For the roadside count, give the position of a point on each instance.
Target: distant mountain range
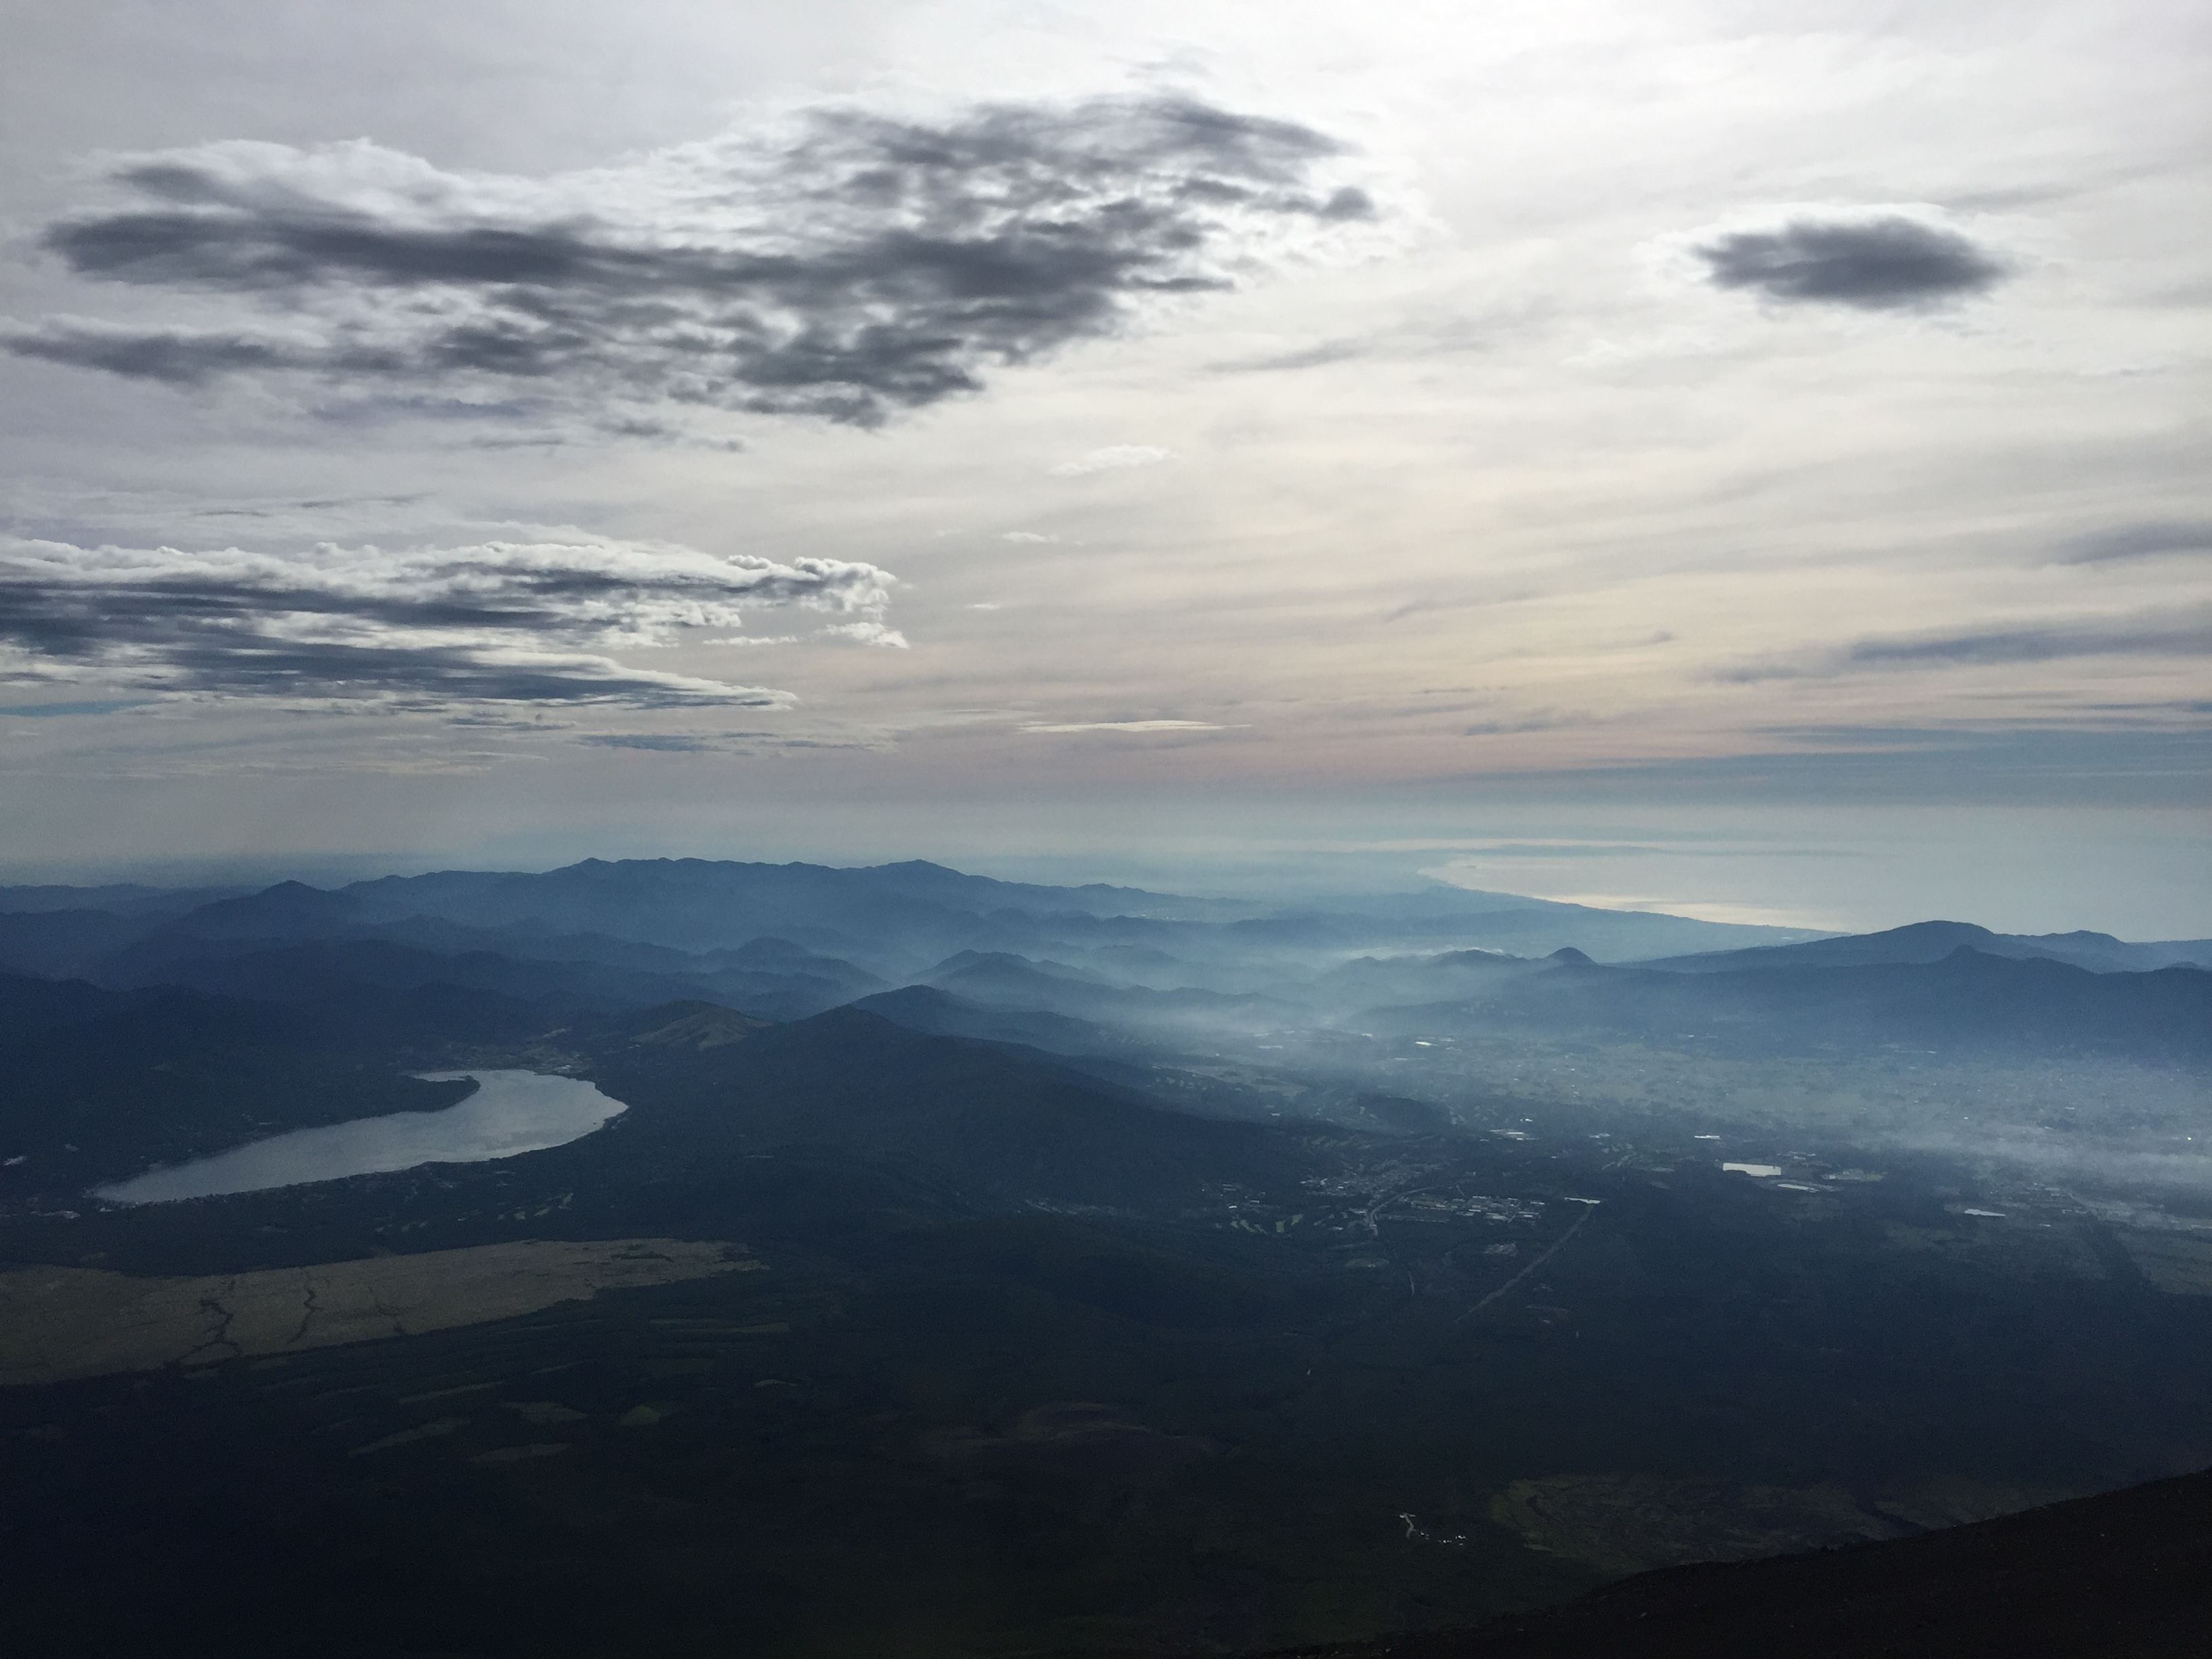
(894, 920)
(141, 1030)
(1932, 941)
(783, 941)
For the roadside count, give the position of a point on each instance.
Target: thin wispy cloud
(2142, 541)
(2154, 633)
(70, 710)
(1113, 456)
(666, 743)
(1319, 356)
(845, 267)
(721, 743)
(1546, 719)
(1880, 261)
(2158, 633)
(866, 633)
(423, 626)
(1127, 726)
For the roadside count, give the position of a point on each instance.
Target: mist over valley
(1510, 1245)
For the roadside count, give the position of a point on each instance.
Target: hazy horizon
(1779, 873)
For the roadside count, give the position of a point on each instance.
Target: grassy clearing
(60, 1322)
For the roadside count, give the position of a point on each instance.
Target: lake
(510, 1112)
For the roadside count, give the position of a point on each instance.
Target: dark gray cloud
(173, 356)
(1889, 262)
(849, 267)
(2158, 634)
(2161, 632)
(52, 710)
(2142, 541)
(1546, 720)
(668, 743)
(425, 628)
(2029, 766)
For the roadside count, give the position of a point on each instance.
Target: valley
(1039, 1320)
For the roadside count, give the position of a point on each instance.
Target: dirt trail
(1590, 1209)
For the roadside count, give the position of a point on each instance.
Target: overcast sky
(1748, 459)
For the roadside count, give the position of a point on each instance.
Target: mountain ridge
(1930, 941)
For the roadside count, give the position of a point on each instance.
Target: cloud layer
(2168, 631)
(424, 627)
(1885, 262)
(846, 267)
(1124, 726)
(2142, 541)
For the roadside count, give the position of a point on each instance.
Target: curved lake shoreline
(509, 1113)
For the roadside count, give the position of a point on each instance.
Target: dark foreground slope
(2127, 1573)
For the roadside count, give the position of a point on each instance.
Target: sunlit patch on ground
(1627, 1523)
(58, 1323)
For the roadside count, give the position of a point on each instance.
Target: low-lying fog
(510, 1112)
(2105, 1123)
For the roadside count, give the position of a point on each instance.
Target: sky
(1742, 459)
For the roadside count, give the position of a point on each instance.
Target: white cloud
(1114, 455)
(1129, 726)
(867, 633)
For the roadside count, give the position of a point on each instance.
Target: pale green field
(57, 1322)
